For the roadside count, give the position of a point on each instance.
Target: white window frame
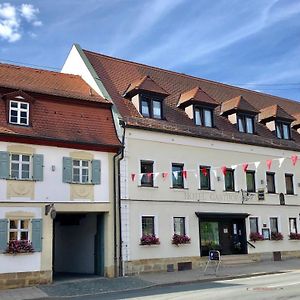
(20, 163)
(18, 109)
(186, 223)
(18, 229)
(278, 224)
(155, 224)
(297, 228)
(81, 167)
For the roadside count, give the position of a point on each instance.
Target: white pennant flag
(233, 166)
(281, 160)
(257, 163)
(175, 173)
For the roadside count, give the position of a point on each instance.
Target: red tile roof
(61, 109)
(117, 74)
(237, 104)
(274, 112)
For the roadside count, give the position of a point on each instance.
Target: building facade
(206, 165)
(56, 183)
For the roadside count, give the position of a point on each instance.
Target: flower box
(276, 236)
(149, 240)
(18, 247)
(294, 236)
(180, 239)
(255, 236)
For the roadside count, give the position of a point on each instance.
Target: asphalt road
(275, 287)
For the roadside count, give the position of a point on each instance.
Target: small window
(250, 178)
(19, 229)
(245, 123)
(177, 176)
(274, 225)
(147, 171)
(229, 180)
(151, 107)
(283, 130)
(81, 171)
(203, 116)
(271, 183)
(289, 184)
(179, 225)
(19, 113)
(293, 225)
(253, 224)
(148, 226)
(20, 166)
(204, 178)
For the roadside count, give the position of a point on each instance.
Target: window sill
(148, 186)
(18, 179)
(178, 188)
(205, 190)
(80, 183)
(290, 194)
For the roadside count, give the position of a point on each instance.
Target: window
(177, 176)
(283, 130)
(19, 113)
(271, 182)
(253, 224)
(203, 116)
(147, 171)
(81, 170)
(20, 166)
(179, 225)
(148, 226)
(151, 108)
(245, 123)
(204, 178)
(289, 184)
(229, 180)
(19, 229)
(293, 225)
(250, 179)
(274, 225)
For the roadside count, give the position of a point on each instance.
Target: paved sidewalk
(92, 286)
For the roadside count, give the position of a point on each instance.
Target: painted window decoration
(271, 182)
(205, 178)
(203, 116)
(179, 236)
(294, 235)
(147, 171)
(148, 231)
(283, 130)
(177, 176)
(245, 123)
(229, 180)
(209, 232)
(275, 234)
(250, 179)
(20, 166)
(19, 113)
(81, 170)
(289, 184)
(151, 107)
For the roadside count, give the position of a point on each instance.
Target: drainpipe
(117, 203)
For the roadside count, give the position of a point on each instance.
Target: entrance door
(225, 232)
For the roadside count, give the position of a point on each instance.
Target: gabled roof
(146, 84)
(274, 112)
(237, 104)
(18, 94)
(196, 96)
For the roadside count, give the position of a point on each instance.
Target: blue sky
(251, 43)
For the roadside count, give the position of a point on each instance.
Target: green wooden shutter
(38, 166)
(4, 165)
(96, 171)
(67, 169)
(3, 234)
(36, 234)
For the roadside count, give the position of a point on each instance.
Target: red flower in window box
(16, 246)
(180, 239)
(276, 236)
(294, 236)
(149, 240)
(255, 236)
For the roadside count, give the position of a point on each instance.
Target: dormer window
(203, 116)
(283, 130)
(18, 112)
(245, 123)
(151, 107)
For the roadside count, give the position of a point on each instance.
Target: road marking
(283, 285)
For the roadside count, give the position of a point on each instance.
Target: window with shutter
(36, 234)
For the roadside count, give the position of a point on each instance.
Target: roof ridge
(189, 76)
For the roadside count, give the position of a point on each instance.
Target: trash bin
(277, 256)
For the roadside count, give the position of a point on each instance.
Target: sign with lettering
(214, 255)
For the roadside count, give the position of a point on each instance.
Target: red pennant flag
(184, 174)
(165, 175)
(294, 159)
(269, 164)
(132, 176)
(204, 171)
(245, 167)
(224, 170)
(149, 175)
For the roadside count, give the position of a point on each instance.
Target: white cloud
(11, 18)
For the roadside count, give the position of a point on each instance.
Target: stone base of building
(24, 279)
(135, 267)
